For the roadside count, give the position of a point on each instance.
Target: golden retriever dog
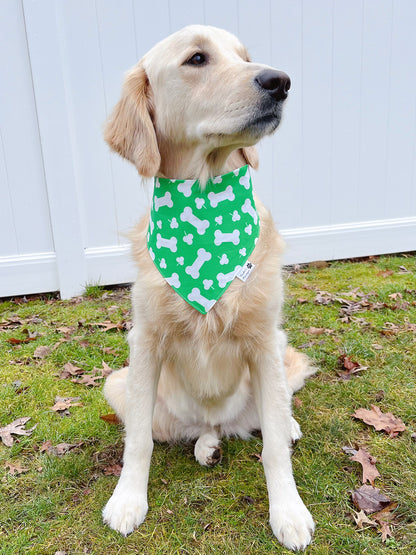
(192, 108)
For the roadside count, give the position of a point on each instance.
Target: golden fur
(192, 375)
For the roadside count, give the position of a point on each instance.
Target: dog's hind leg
(207, 448)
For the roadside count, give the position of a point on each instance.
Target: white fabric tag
(245, 271)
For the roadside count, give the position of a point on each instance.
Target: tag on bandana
(200, 240)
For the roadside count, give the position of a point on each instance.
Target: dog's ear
(130, 130)
(251, 156)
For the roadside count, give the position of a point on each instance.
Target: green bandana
(199, 239)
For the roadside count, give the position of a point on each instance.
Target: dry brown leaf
(385, 531)
(16, 341)
(385, 273)
(368, 462)
(369, 499)
(70, 370)
(16, 428)
(88, 380)
(110, 418)
(361, 518)
(317, 331)
(107, 325)
(113, 470)
(59, 449)
(15, 469)
(41, 352)
(386, 422)
(64, 403)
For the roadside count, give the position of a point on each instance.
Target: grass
(56, 504)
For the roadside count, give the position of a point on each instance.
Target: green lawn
(55, 504)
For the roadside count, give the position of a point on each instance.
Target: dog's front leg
(290, 520)
(127, 507)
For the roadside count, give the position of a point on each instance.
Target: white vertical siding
(339, 175)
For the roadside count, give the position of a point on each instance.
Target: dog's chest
(208, 373)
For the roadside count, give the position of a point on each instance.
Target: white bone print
(216, 198)
(200, 225)
(223, 279)
(245, 180)
(173, 280)
(203, 256)
(195, 295)
(186, 187)
(166, 200)
(208, 283)
(248, 209)
(233, 237)
(170, 244)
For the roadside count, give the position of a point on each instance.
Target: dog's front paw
(292, 524)
(295, 431)
(125, 510)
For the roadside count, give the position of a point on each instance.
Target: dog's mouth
(260, 123)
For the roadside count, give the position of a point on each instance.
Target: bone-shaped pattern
(173, 280)
(170, 244)
(200, 225)
(221, 237)
(248, 209)
(203, 256)
(223, 279)
(166, 200)
(195, 295)
(186, 187)
(245, 180)
(216, 198)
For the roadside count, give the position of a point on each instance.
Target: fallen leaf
(88, 380)
(386, 422)
(41, 352)
(113, 470)
(385, 273)
(70, 370)
(317, 331)
(297, 402)
(377, 347)
(64, 403)
(396, 296)
(59, 449)
(105, 370)
(361, 518)
(16, 428)
(16, 341)
(107, 325)
(369, 499)
(368, 463)
(15, 469)
(110, 418)
(66, 330)
(349, 366)
(385, 531)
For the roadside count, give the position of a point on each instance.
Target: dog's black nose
(276, 83)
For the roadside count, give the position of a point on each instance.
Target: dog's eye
(197, 59)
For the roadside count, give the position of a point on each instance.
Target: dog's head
(196, 88)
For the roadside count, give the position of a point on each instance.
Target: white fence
(339, 176)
